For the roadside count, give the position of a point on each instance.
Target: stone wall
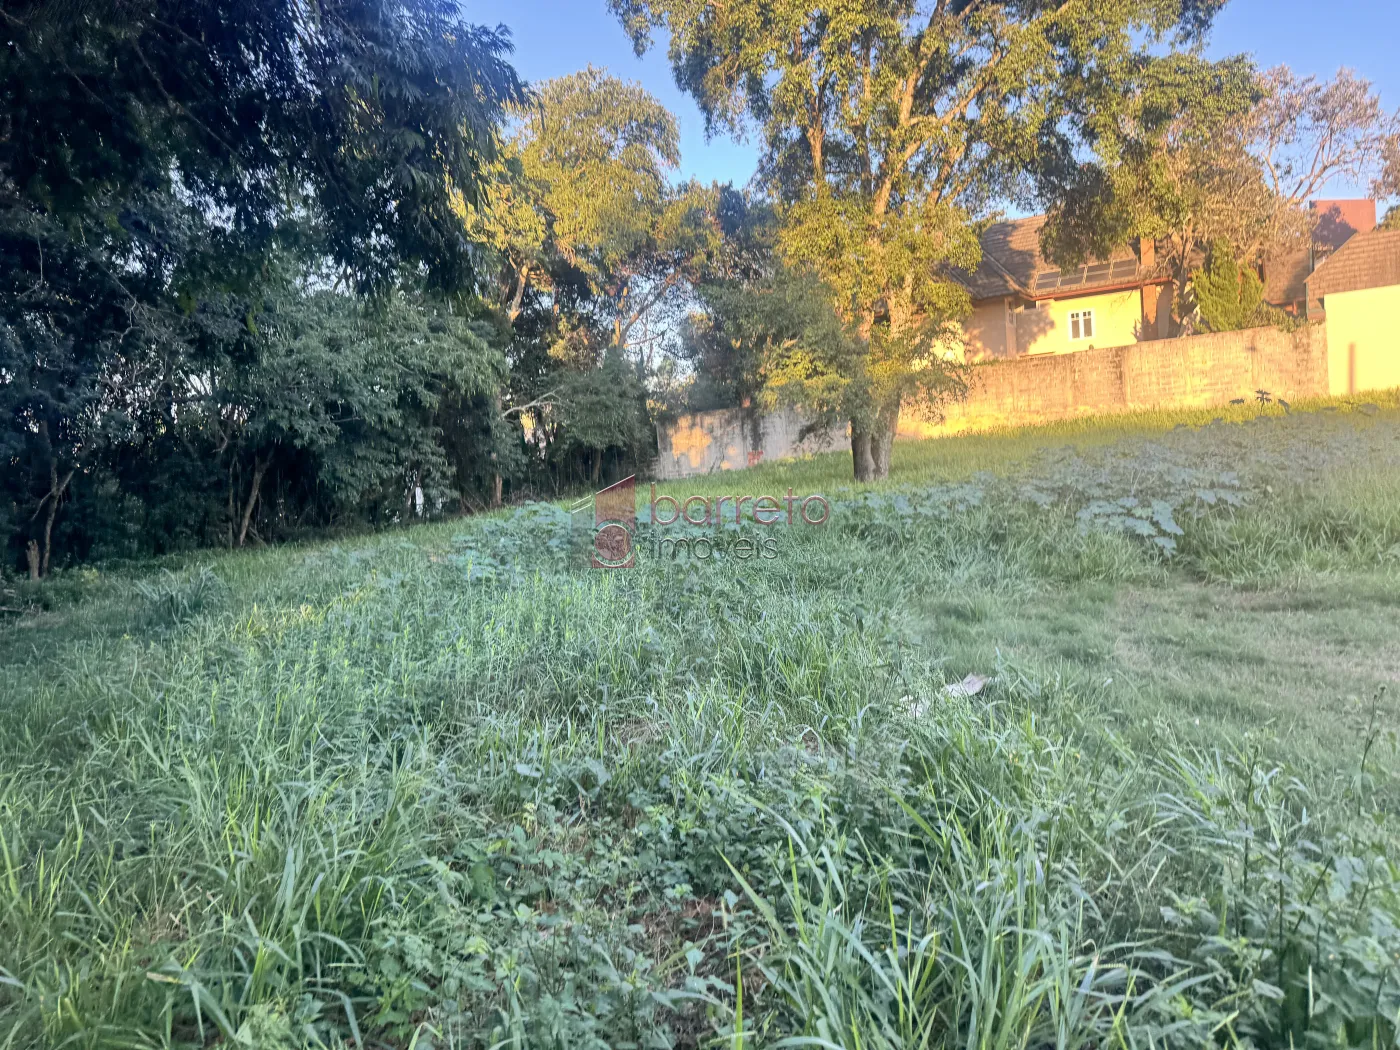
(1195, 372)
(737, 437)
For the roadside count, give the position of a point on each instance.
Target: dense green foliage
(888, 127)
(1228, 295)
(594, 252)
(190, 197)
(450, 787)
(268, 268)
(237, 116)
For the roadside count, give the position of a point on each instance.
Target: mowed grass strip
(450, 787)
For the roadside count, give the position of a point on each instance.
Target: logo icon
(614, 525)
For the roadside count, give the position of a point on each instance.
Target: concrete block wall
(1194, 372)
(738, 437)
(1199, 371)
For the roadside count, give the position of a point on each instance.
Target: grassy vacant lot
(448, 787)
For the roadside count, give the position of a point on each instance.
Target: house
(1356, 291)
(1349, 278)
(1286, 273)
(1022, 304)
(1349, 274)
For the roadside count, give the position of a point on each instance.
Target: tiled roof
(1335, 223)
(1367, 260)
(1012, 263)
(1285, 277)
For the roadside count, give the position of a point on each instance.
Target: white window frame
(1077, 319)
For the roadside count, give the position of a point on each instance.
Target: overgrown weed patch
(450, 787)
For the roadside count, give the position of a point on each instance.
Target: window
(1081, 325)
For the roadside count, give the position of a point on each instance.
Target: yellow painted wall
(1363, 340)
(1117, 320)
(985, 331)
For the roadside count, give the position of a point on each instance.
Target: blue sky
(553, 37)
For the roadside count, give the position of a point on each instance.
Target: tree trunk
(861, 457)
(259, 469)
(55, 495)
(495, 457)
(522, 282)
(232, 463)
(883, 442)
(872, 445)
(39, 557)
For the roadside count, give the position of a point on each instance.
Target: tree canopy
(177, 181)
(595, 251)
(1219, 153)
(889, 127)
(366, 115)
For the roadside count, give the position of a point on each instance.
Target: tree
(1388, 185)
(155, 158)
(370, 115)
(1228, 296)
(1307, 133)
(595, 252)
(1216, 152)
(888, 125)
(583, 192)
(336, 407)
(766, 333)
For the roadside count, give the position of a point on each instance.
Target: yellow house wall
(1117, 318)
(1363, 340)
(985, 330)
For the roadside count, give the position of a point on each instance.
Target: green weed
(450, 787)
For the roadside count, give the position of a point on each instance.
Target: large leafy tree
(364, 113)
(1221, 154)
(596, 249)
(335, 408)
(156, 155)
(889, 125)
(583, 196)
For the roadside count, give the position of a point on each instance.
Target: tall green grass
(451, 788)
